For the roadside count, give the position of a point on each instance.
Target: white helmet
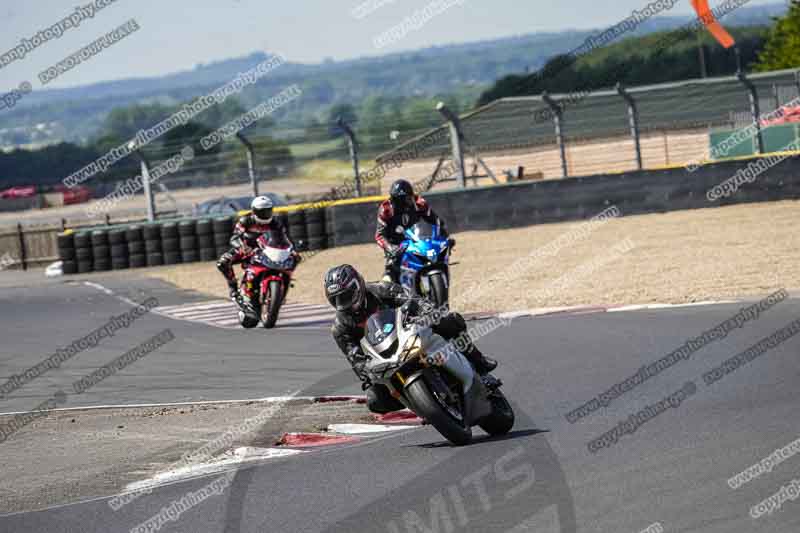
(262, 209)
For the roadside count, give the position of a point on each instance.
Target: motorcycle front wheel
(271, 307)
(438, 289)
(501, 420)
(435, 410)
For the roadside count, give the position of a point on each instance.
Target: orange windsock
(716, 29)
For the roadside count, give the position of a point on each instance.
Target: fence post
(755, 108)
(776, 95)
(251, 161)
(633, 117)
(22, 252)
(797, 82)
(352, 144)
(148, 192)
(557, 121)
(456, 139)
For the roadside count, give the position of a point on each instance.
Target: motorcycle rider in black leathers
(355, 301)
(403, 209)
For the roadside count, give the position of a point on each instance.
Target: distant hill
(76, 114)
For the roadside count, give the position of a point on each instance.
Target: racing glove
(396, 251)
(358, 361)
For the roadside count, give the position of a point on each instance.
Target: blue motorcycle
(424, 267)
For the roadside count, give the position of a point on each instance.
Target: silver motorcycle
(429, 376)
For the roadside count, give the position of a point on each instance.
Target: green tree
(125, 122)
(782, 49)
(220, 114)
(346, 112)
(188, 134)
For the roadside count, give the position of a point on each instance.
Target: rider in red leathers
(245, 235)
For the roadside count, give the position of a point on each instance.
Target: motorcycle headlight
(412, 349)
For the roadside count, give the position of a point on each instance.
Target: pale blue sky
(177, 34)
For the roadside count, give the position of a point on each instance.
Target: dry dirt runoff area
(678, 257)
(82, 454)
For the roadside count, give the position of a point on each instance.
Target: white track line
(118, 297)
(224, 314)
(362, 429)
(230, 459)
(645, 307)
(273, 399)
(199, 305)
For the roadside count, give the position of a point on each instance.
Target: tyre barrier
(297, 226)
(119, 249)
(316, 230)
(83, 253)
(187, 241)
(137, 253)
(175, 242)
(66, 252)
(101, 250)
(143, 245)
(222, 229)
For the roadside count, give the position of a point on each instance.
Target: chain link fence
(673, 124)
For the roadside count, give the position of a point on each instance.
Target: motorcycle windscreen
(278, 255)
(422, 231)
(264, 260)
(381, 332)
(273, 239)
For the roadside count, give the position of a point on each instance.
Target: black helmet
(345, 288)
(402, 195)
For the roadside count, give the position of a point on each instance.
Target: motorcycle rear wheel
(428, 407)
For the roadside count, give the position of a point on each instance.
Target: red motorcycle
(268, 275)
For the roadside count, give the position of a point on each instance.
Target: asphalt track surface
(542, 477)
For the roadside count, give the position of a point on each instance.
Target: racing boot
(233, 290)
(483, 365)
(248, 317)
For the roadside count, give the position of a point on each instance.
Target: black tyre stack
(170, 243)
(137, 253)
(152, 245)
(205, 240)
(187, 231)
(316, 230)
(297, 227)
(119, 249)
(83, 252)
(223, 229)
(101, 250)
(66, 252)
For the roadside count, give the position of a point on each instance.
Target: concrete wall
(21, 204)
(530, 203)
